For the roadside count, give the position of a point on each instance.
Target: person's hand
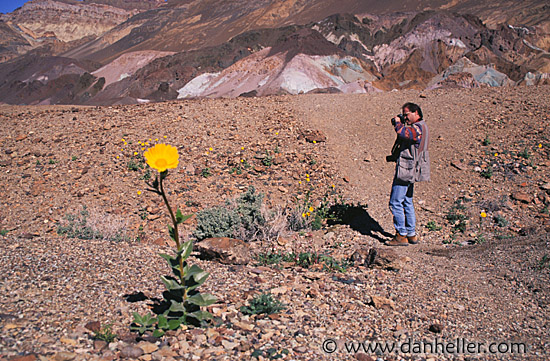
(395, 120)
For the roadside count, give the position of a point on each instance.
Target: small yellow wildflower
(242, 160)
(483, 214)
(165, 137)
(304, 215)
(307, 179)
(299, 182)
(314, 142)
(540, 145)
(311, 209)
(308, 214)
(123, 140)
(496, 154)
(333, 186)
(135, 153)
(242, 148)
(156, 139)
(210, 149)
(142, 148)
(139, 193)
(162, 157)
(277, 133)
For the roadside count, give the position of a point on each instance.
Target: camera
(395, 150)
(401, 118)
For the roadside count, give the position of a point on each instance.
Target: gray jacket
(413, 164)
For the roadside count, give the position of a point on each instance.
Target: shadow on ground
(357, 217)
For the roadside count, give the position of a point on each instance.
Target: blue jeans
(402, 208)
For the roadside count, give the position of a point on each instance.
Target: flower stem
(174, 221)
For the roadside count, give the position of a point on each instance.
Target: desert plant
(487, 173)
(241, 218)
(105, 333)
(182, 300)
(93, 224)
(263, 303)
(432, 226)
(486, 141)
(205, 172)
(500, 221)
(524, 153)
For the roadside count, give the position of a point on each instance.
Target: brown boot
(413, 239)
(398, 240)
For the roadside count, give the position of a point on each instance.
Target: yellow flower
(210, 149)
(277, 133)
(314, 142)
(496, 154)
(299, 182)
(311, 209)
(242, 148)
(333, 186)
(117, 157)
(165, 137)
(304, 215)
(162, 157)
(156, 139)
(123, 140)
(483, 214)
(540, 145)
(139, 193)
(308, 214)
(307, 179)
(135, 153)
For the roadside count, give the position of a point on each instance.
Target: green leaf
(202, 299)
(176, 307)
(200, 315)
(187, 249)
(172, 232)
(158, 333)
(174, 324)
(162, 322)
(180, 218)
(171, 284)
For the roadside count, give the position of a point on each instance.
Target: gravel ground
(486, 284)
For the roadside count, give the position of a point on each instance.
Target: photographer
(410, 152)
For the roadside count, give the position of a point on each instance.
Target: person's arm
(412, 133)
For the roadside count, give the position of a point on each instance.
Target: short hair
(413, 108)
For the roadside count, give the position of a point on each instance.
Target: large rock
(225, 250)
(382, 258)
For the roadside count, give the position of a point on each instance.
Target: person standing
(412, 165)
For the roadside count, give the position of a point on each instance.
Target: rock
(147, 347)
(436, 328)
(29, 357)
(382, 258)
(363, 357)
(458, 165)
(522, 197)
(131, 352)
(64, 356)
(300, 349)
(93, 326)
(225, 250)
(381, 303)
(100, 345)
(314, 136)
(68, 341)
(546, 186)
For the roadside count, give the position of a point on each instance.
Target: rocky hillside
(480, 272)
(205, 48)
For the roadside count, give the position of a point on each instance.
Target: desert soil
(484, 280)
